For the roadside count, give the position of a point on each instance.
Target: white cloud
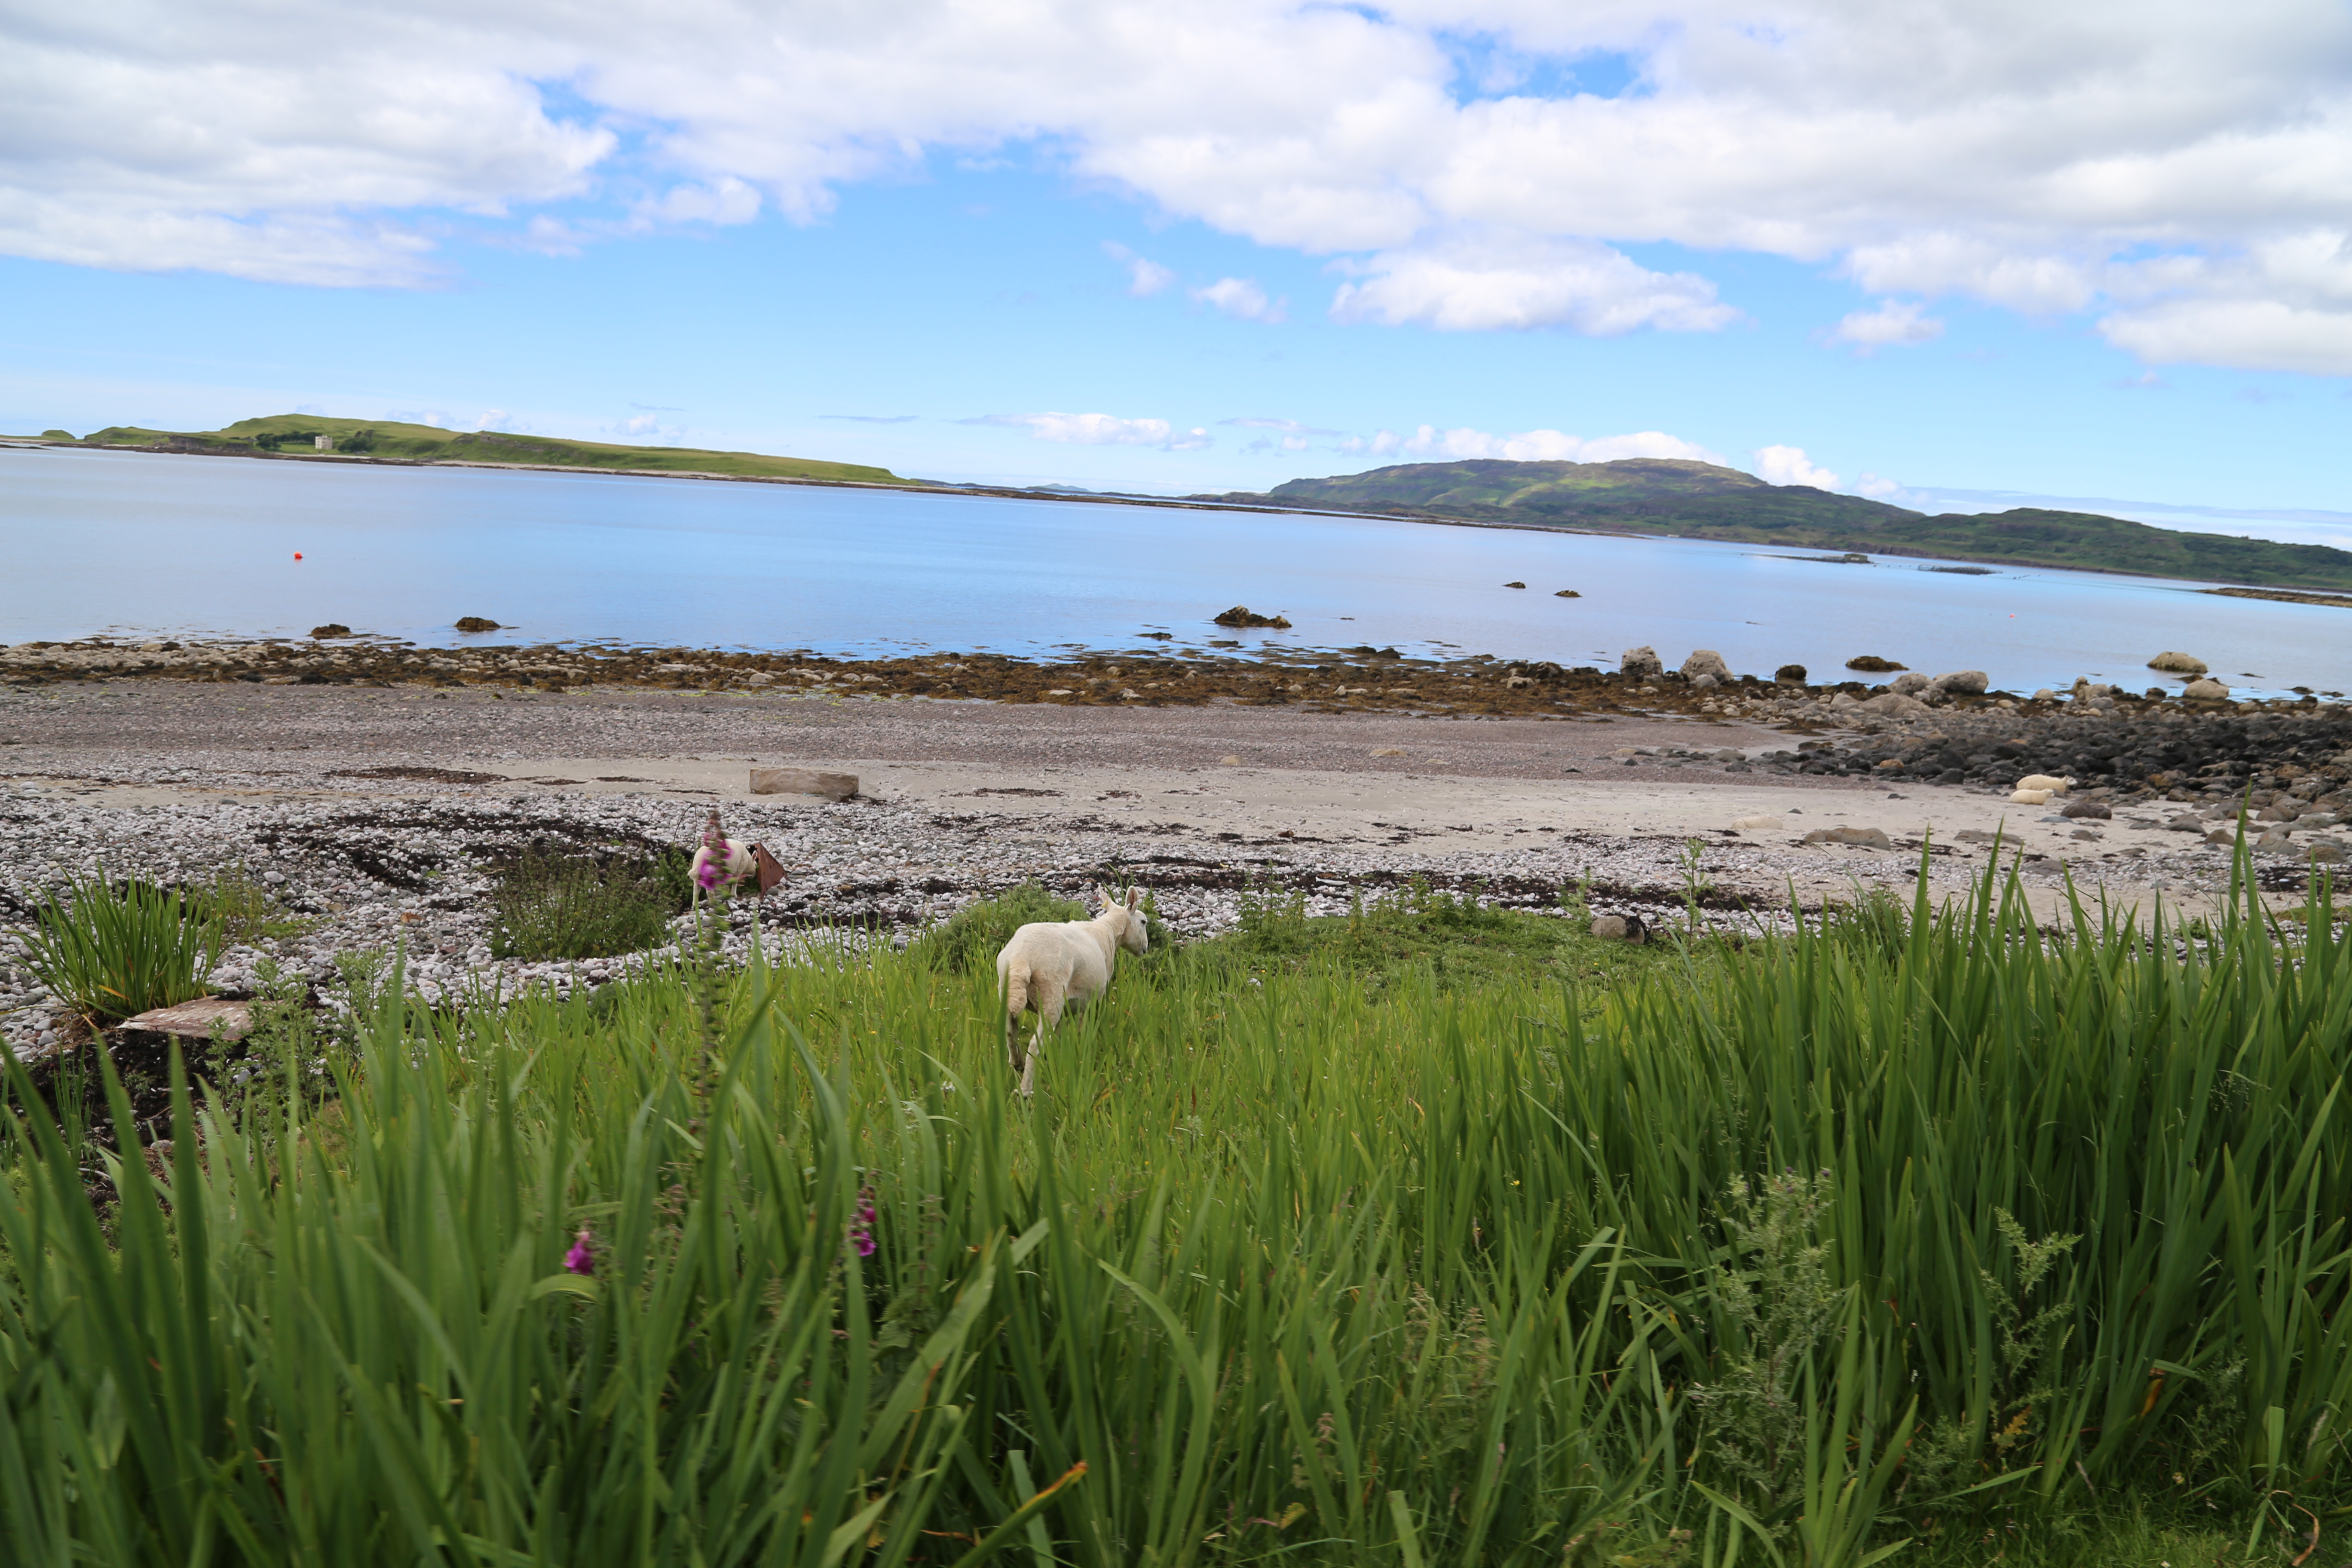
(1243, 299)
(1145, 277)
(1896, 323)
(1789, 466)
(2181, 170)
(1485, 283)
(1878, 488)
(1101, 430)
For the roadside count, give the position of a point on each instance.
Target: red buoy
(298, 556)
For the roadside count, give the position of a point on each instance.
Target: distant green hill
(430, 443)
(1700, 500)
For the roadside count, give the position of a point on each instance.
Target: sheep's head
(1134, 933)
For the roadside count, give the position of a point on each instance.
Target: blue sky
(1169, 282)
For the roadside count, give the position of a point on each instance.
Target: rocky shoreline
(375, 812)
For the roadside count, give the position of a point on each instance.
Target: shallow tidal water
(122, 542)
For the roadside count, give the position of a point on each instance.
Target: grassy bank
(1932, 1235)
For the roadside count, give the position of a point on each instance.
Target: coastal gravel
(374, 815)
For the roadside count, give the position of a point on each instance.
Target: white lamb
(1051, 965)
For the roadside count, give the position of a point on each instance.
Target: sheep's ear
(1135, 898)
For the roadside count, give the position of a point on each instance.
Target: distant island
(1686, 499)
(391, 440)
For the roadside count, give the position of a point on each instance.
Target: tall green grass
(1800, 1257)
(113, 951)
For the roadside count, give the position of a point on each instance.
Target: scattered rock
(2084, 833)
(332, 629)
(1909, 684)
(196, 1020)
(2327, 853)
(1731, 754)
(1977, 835)
(1892, 703)
(2044, 694)
(2187, 822)
(2179, 663)
(477, 624)
(803, 780)
(1861, 838)
(2205, 690)
(1754, 823)
(1707, 682)
(1568, 593)
(1642, 661)
(1870, 664)
(2089, 810)
(1242, 615)
(1790, 675)
(1705, 662)
(1621, 928)
(1964, 682)
(2222, 835)
(1388, 751)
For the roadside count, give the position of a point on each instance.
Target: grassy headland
(1699, 500)
(391, 440)
(1929, 1232)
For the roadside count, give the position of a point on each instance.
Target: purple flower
(861, 1229)
(582, 1259)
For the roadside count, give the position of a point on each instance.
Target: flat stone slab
(803, 780)
(196, 1020)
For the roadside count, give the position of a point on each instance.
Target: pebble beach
(372, 807)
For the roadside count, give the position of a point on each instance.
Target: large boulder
(1642, 661)
(2206, 690)
(1964, 682)
(1790, 675)
(1893, 704)
(2178, 663)
(1910, 683)
(803, 780)
(1705, 662)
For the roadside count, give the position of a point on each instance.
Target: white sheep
(1051, 965)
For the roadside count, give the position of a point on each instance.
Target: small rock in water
(477, 624)
(1870, 664)
(332, 629)
(2178, 663)
(1514, 585)
(1790, 675)
(1568, 593)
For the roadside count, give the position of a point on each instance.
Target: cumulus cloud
(1101, 430)
(1485, 283)
(1789, 466)
(1145, 277)
(1243, 299)
(2179, 172)
(1896, 323)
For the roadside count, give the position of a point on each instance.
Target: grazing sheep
(1051, 965)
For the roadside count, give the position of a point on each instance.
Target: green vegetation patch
(429, 443)
(1702, 501)
(1928, 1235)
(558, 905)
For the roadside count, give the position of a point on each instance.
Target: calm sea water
(94, 542)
